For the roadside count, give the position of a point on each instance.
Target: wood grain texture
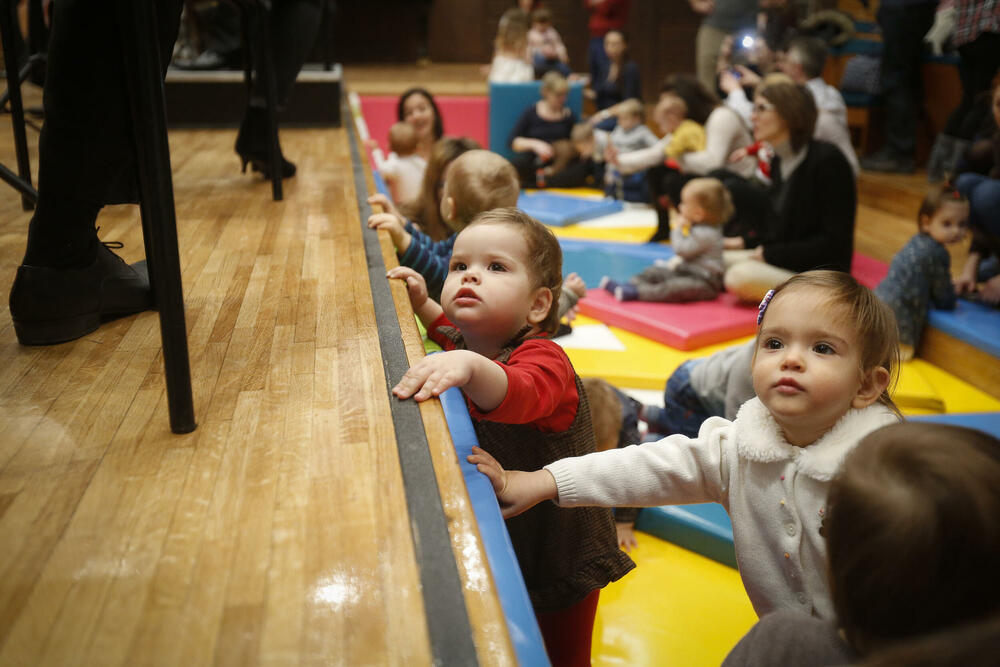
(277, 532)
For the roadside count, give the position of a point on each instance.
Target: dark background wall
(660, 32)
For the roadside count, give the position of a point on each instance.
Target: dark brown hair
(605, 412)
(438, 123)
(796, 106)
(700, 100)
(543, 254)
(873, 322)
(935, 197)
(479, 181)
(912, 532)
(426, 210)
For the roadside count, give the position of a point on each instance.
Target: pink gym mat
(685, 326)
(463, 116)
(688, 326)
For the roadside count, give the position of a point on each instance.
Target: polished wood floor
(278, 531)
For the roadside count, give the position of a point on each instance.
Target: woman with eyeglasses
(804, 219)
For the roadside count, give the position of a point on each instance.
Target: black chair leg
(159, 224)
(22, 180)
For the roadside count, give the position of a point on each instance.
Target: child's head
(670, 112)
(912, 533)
(943, 214)
(629, 113)
(402, 138)
(512, 32)
(825, 344)
(427, 209)
(582, 137)
(505, 274)
(541, 19)
(605, 412)
(474, 182)
(706, 201)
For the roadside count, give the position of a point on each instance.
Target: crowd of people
(753, 180)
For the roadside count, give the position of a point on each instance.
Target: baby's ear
(872, 385)
(448, 209)
(541, 304)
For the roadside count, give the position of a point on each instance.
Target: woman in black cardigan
(805, 219)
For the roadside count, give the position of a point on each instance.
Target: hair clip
(763, 305)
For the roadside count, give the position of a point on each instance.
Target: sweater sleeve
(723, 131)
(428, 261)
(942, 289)
(828, 186)
(699, 239)
(521, 126)
(643, 158)
(673, 471)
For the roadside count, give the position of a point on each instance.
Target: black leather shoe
(51, 306)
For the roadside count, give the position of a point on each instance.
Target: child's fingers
(401, 272)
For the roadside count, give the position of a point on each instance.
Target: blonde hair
(631, 106)
(426, 211)
(713, 197)
(512, 32)
(873, 322)
(554, 82)
(605, 412)
(402, 138)
(478, 181)
(581, 132)
(543, 251)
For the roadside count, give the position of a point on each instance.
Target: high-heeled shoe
(251, 145)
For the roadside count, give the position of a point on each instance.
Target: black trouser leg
(86, 156)
(979, 64)
(903, 31)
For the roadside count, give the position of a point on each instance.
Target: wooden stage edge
(975, 366)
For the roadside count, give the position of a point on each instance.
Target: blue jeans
(682, 410)
(983, 194)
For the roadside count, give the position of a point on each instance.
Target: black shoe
(51, 306)
(251, 144)
(888, 161)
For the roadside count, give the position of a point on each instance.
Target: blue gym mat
(988, 422)
(521, 623)
(595, 259)
(975, 323)
(561, 210)
(704, 529)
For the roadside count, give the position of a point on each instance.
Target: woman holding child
(417, 107)
(805, 219)
(542, 131)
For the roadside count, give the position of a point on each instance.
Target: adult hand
(942, 30)
(738, 154)
(748, 77)
(416, 286)
(516, 490)
(611, 155)
(542, 149)
(990, 292)
(728, 82)
(733, 243)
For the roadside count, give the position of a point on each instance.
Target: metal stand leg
(22, 180)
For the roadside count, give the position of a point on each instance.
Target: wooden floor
(278, 531)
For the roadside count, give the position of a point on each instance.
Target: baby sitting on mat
(695, 271)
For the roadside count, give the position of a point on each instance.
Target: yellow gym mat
(675, 608)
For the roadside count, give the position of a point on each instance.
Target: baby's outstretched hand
(436, 373)
(416, 286)
(380, 199)
(516, 490)
(575, 284)
(392, 224)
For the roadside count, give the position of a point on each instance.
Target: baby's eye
(772, 344)
(823, 348)
(497, 266)
(457, 266)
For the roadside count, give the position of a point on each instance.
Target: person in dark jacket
(805, 219)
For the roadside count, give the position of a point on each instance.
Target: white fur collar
(759, 438)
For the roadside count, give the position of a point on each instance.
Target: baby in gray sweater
(695, 271)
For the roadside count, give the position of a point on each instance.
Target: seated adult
(803, 62)
(983, 193)
(725, 132)
(617, 77)
(805, 218)
(417, 108)
(543, 128)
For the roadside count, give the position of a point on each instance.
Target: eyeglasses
(761, 107)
